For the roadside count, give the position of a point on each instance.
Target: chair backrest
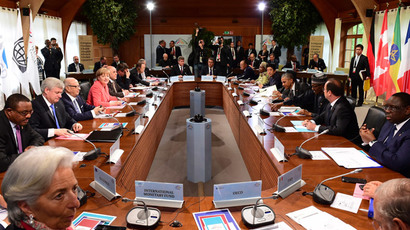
(352, 101)
(375, 118)
(85, 88)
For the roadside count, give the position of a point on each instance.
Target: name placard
(288, 179)
(173, 79)
(105, 180)
(158, 190)
(278, 151)
(188, 78)
(220, 78)
(207, 78)
(234, 191)
(115, 146)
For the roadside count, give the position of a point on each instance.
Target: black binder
(105, 136)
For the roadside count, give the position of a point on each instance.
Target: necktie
(18, 137)
(391, 133)
(77, 107)
(210, 71)
(182, 70)
(294, 66)
(329, 114)
(291, 94)
(55, 116)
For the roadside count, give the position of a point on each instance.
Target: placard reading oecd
(188, 78)
(241, 190)
(160, 194)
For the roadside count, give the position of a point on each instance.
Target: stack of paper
(350, 158)
(313, 218)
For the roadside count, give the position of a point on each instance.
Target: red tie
(182, 69)
(294, 66)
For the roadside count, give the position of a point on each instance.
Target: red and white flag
(382, 81)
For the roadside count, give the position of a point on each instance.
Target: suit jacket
(248, 73)
(289, 65)
(276, 52)
(8, 147)
(274, 80)
(224, 55)
(136, 78)
(71, 67)
(275, 63)
(320, 64)
(175, 71)
(174, 58)
(99, 95)
(302, 96)
(232, 62)
(255, 64)
(84, 107)
(163, 63)
(394, 154)
(123, 82)
(97, 66)
(342, 120)
(205, 71)
(320, 104)
(252, 51)
(53, 58)
(114, 89)
(266, 54)
(160, 53)
(42, 118)
(362, 64)
(115, 64)
(241, 54)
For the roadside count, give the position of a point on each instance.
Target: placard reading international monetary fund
(158, 190)
(241, 190)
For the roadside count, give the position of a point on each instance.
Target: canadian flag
(382, 81)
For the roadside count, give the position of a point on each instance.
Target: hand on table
(370, 188)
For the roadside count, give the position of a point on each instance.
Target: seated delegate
(99, 94)
(41, 190)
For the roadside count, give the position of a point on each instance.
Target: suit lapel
(46, 108)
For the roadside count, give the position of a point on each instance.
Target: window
(354, 37)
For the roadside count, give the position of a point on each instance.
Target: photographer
(53, 57)
(200, 55)
(221, 56)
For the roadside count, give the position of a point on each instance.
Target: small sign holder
(237, 194)
(104, 184)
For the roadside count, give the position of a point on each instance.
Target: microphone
(165, 73)
(92, 154)
(323, 194)
(142, 216)
(263, 214)
(303, 153)
(132, 112)
(229, 74)
(279, 128)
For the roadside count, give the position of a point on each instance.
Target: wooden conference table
(139, 152)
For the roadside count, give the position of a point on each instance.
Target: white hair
(30, 176)
(50, 83)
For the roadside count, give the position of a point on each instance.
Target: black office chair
(85, 88)
(375, 118)
(352, 101)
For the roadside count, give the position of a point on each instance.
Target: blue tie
(391, 133)
(55, 116)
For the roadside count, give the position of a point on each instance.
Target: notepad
(351, 158)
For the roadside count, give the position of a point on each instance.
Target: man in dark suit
(49, 118)
(100, 64)
(293, 93)
(16, 135)
(165, 62)
(76, 66)
(273, 61)
(113, 87)
(138, 75)
(233, 56)
(293, 64)
(339, 117)
(210, 69)
(116, 61)
(248, 72)
(273, 77)
(253, 62)
(75, 105)
(160, 51)
(240, 51)
(250, 51)
(180, 69)
(359, 63)
(392, 147)
(124, 77)
(320, 102)
(221, 57)
(317, 63)
(174, 52)
(53, 57)
(275, 50)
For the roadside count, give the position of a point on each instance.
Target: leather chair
(375, 118)
(352, 101)
(85, 89)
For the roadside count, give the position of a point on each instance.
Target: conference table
(140, 149)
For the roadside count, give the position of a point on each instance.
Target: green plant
(112, 21)
(293, 21)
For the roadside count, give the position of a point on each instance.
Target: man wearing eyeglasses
(75, 106)
(16, 135)
(76, 66)
(393, 145)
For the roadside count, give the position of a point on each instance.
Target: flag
(403, 79)
(395, 56)
(32, 70)
(18, 65)
(370, 51)
(382, 80)
(8, 81)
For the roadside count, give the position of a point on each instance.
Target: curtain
(72, 44)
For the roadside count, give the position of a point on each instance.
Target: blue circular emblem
(394, 54)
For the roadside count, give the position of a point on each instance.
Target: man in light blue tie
(49, 117)
(75, 105)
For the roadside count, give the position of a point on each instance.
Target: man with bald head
(392, 205)
(76, 66)
(74, 104)
(113, 87)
